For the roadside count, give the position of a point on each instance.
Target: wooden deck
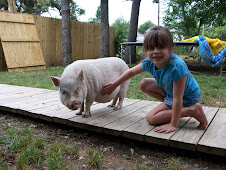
(129, 122)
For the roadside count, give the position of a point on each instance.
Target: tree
(40, 6)
(145, 26)
(96, 20)
(216, 32)
(12, 6)
(133, 31)
(66, 33)
(104, 48)
(121, 33)
(185, 17)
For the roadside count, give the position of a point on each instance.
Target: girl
(173, 84)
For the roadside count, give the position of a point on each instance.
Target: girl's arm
(178, 93)
(110, 87)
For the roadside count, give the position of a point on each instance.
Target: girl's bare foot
(200, 116)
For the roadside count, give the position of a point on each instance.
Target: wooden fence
(85, 39)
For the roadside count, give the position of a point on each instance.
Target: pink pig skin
(82, 82)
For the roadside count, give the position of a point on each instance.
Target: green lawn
(213, 87)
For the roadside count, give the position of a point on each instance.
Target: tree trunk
(200, 24)
(12, 6)
(104, 48)
(66, 33)
(133, 31)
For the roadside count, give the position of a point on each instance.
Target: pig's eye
(77, 91)
(64, 93)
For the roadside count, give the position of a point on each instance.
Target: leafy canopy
(121, 33)
(40, 6)
(186, 17)
(145, 26)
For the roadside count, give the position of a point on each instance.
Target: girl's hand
(108, 88)
(167, 128)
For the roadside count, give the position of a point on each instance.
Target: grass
(30, 151)
(213, 88)
(93, 158)
(22, 148)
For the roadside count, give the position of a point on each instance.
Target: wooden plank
(106, 119)
(214, 139)
(15, 32)
(8, 92)
(138, 130)
(20, 103)
(16, 17)
(22, 94)
(96, 112)
(23, 54)
(3, 66)
(27, 68)
(189, 135)
(137, 112)
(27, 108)
(7, 86)
(58, 115)
(58, 58)
(34, 104)
(50, 112)
(161, 138)
(20, 43)
(20, 40)
(46, 29)
(27, 100)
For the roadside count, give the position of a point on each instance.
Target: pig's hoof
(111, 105)
(79, 113)
(87, 115)
(117, 108)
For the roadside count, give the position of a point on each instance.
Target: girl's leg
(150, 87)
(162, 114)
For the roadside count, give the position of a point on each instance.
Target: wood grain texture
(214, 139)
(188, 136)
(20, 42)
(129, 121)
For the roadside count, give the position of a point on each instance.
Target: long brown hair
(158, 36)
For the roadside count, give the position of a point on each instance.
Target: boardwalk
(128, 122)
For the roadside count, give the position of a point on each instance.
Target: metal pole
(121, 52)
(158, 11)
(130, 55)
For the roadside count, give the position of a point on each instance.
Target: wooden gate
(20, 42)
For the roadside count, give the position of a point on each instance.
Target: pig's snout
(74, 105)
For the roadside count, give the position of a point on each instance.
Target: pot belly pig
(82, 82)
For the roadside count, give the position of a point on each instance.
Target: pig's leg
(121, 99)
(87, 109)
(122, 94)
(114, 101)
(81, 109)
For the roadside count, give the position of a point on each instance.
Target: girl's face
(160, 55)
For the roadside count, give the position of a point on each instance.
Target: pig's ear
(56, 81)
(81, 77)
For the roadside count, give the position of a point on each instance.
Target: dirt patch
(116, 152)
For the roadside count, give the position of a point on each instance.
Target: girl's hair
(158, 36)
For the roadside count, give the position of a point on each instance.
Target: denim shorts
(168, 100)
